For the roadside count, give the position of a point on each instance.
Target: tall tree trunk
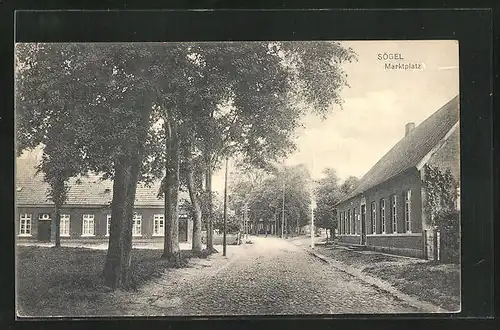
(171, 248)
(58, 225)
(127, 168)
(118, 259)
(196, 242)
(332, 231)
(210, 213)
(276, 223)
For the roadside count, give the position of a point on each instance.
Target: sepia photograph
(237, 178)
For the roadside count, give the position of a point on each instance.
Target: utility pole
(312, 225)
(275, 223)
(283, 212)
(245, 221)
(312, 203)
(225, 211)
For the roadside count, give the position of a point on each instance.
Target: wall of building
(407, 245)
(350, 239)
(354, 205)
(447, 157)
(397, 186)
(100, 222)
(402, 242)
(34, 219)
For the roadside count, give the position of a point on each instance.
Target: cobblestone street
(270, 276)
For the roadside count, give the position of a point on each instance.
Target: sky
(377, 106)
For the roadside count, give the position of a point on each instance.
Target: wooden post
(435, 251)
(425, 254)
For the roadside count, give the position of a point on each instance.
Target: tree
(114, 93)
(103, 93)
(267, 88)
(265, 199)
(61, 158)
(193, 174)
(348, 185)
(60, 162)
(440, 203)
(328, 194)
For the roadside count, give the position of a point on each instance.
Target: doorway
(363, 224)
(183, 230)
(44, 227)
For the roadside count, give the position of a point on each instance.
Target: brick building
(87, 212)
(385, 212)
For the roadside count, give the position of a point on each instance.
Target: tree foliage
(441, 191)
(327, 193)
(101, 93)
(349, 185)
(173, 111)
(265, 197)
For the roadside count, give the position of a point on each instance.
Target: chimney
(408, 128)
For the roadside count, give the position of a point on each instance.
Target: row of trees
(267, 194)
(263, 194)
(171, 112)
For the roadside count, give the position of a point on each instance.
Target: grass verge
(67, 281)
(437, 284)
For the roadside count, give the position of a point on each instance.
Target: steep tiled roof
(32, 190)
(409, 151)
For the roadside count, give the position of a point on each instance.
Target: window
(159, 225)
(354, 229)
(64, 225)
(349, 229)
(44, 216)
(25, 225)
(345, 222)
(394, 215)
(136, 225)
(108, 224)
(88, 225)
(340, 223)
(374, 218)
(382, 215)
(408, 211)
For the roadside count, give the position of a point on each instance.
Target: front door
(363, 224)
(44, 228)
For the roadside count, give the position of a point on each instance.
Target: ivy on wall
(441, 190)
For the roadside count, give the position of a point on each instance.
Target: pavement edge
(380, 284)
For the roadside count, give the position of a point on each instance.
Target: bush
(448, 224)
